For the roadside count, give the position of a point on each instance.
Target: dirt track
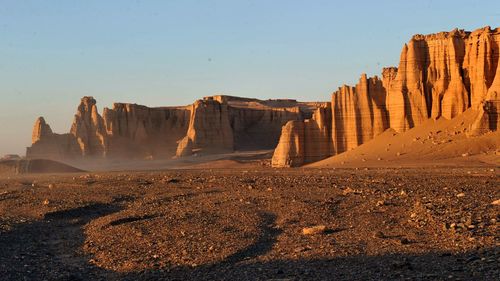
(247, 225)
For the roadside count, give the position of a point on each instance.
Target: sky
(169, 52)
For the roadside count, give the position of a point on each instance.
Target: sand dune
(437, 142)
(35, 166)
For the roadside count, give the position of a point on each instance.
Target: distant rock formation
(211, 125)
(439, 75)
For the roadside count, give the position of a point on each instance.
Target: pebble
(318, 229)
(460, 195)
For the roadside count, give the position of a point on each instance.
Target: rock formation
(439, 75)
(358, 114)
(211, 125)
(305, 141)
(40, 130)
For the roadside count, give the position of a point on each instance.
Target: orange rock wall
(439, 75)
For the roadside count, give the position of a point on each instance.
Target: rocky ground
(376, 224)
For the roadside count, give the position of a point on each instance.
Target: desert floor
(247, 224)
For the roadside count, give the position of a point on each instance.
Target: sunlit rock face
(305, 141)
(215, 124)
(439, 76)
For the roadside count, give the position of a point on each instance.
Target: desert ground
(433, 223)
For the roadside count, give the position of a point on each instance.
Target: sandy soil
(380, 224)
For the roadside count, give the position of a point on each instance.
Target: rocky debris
(208, 225)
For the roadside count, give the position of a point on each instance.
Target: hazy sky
(173, 52)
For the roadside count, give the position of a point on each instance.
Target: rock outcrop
(358, 113)
(40, 130)
(290, 149)
(439, 75)
(88, 129)
(211, 125)
(209, 129)
(142, 132)
(305, 141)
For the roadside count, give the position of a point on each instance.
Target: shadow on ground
(50, 249)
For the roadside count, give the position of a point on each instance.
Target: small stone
(318, 229)
(404, 241)
(465, 154)
(496, 202)
(380, 203)
(51, 186)
(46, 202)
(379, 234)
(460, 195)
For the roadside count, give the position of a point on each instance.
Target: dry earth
(380, 224)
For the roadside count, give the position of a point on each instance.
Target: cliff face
(209, 129)
(212, 125)
(139, 131)
(41, 130)
(88, 129)
(47, 144)
(358, 113)
(443, 74)
(305, 141)
(439, 75)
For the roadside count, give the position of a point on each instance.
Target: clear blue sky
(172, 52)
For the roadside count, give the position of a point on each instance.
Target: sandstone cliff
(211, 125)
(40, 130)
(305, 141)
(439, 75)
(443, 74)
